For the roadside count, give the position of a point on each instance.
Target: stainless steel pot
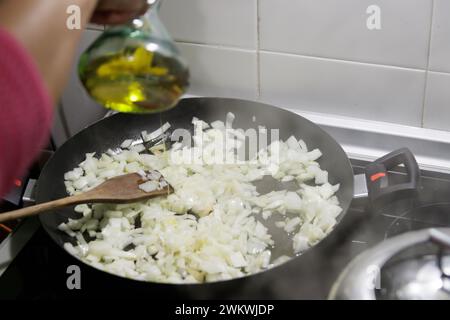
(414, 265)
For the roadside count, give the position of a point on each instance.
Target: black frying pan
(110, 132)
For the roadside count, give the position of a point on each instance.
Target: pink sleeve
(25, 111)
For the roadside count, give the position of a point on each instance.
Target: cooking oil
(134, 80)
(135, 67)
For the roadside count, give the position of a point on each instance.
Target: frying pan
(108, 133)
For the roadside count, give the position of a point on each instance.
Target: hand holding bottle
(112, 12)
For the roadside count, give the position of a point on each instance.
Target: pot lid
(419, 278)
(414, 265)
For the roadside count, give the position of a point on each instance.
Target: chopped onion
(213, 226)
(126, 144)
(149, 186)
(157, 133)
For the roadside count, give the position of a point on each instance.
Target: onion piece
(149, 186)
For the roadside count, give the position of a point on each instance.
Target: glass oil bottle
(135, 68)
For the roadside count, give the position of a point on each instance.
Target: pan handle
(379, 188)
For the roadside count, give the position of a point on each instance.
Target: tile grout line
(258, 57)
(343, 60)
(215, 45)
(258, 51)
(439, 72)
(428, 65)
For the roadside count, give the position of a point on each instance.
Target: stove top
(41, 269)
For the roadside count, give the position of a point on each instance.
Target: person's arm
(36, 53)
(40, 26)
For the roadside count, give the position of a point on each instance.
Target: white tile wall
(225, 22)
(344, 88)
(337, 29)
(314, 55)
(440, 37)
(437, 102)
(222, 72)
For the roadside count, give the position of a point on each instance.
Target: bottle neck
(152, 13)
(155, 4)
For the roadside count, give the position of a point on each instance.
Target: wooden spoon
(121, 189)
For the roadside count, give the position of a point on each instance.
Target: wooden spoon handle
(43, 207)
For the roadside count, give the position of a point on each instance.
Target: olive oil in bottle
(135, 68)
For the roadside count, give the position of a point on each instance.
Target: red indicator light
(377, 176)
(17, 183)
